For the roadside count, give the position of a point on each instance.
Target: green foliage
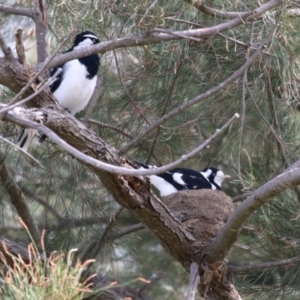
(37, 279)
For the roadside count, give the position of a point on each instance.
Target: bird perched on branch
(185, 179)
(74, 86)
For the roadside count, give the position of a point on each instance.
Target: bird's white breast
(75, 90)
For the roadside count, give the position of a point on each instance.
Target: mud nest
(202, 212)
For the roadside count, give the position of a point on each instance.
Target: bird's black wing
(54, 85)
(92, 64)
(193, 180)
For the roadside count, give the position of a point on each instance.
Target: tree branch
(27, 12)
(5, 49)
(155, 38)
(266, 265)
(228, 235)
(41, 20)
(18, 201)
(58, 117)
(93, 248)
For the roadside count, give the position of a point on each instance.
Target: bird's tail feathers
(26, 138)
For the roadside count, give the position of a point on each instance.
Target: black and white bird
(185, 179)
(74, 86)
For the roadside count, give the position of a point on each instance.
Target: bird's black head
(215, 176)
(84, 39)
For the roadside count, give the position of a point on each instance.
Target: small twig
(239, 198)
(28, 12)
(167, 101)
(266, 265)
(146, 12)
(215, 12)
(125, 89)
(22, 150)
(221, 35)
(6, 50)
(93, 100)
(194, 281)
(92, 249)
(115, 128)
(130, 229)
(20, 47)
(175, 34)
(9, 107)
(18, 201)
(44, 203)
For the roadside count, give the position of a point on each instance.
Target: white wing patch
(177, 178)
(164, 187)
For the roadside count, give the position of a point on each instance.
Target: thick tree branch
(18, 201)
(228, 235)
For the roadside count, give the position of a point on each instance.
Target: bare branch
(20, 47)
(41, 20)
(6, 50)
(9, 107)
(155, 38)
(93, 248)
(240, 197)
(201, 97)
(167, 101)
(215, 12)
(228, 235)
(105, 125)
(44, 203)
(92, 161)
(194, 281)
(266, 265)
(176, 34)
(130, 229)
(18, 201)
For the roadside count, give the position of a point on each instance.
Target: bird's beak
(226, 176)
